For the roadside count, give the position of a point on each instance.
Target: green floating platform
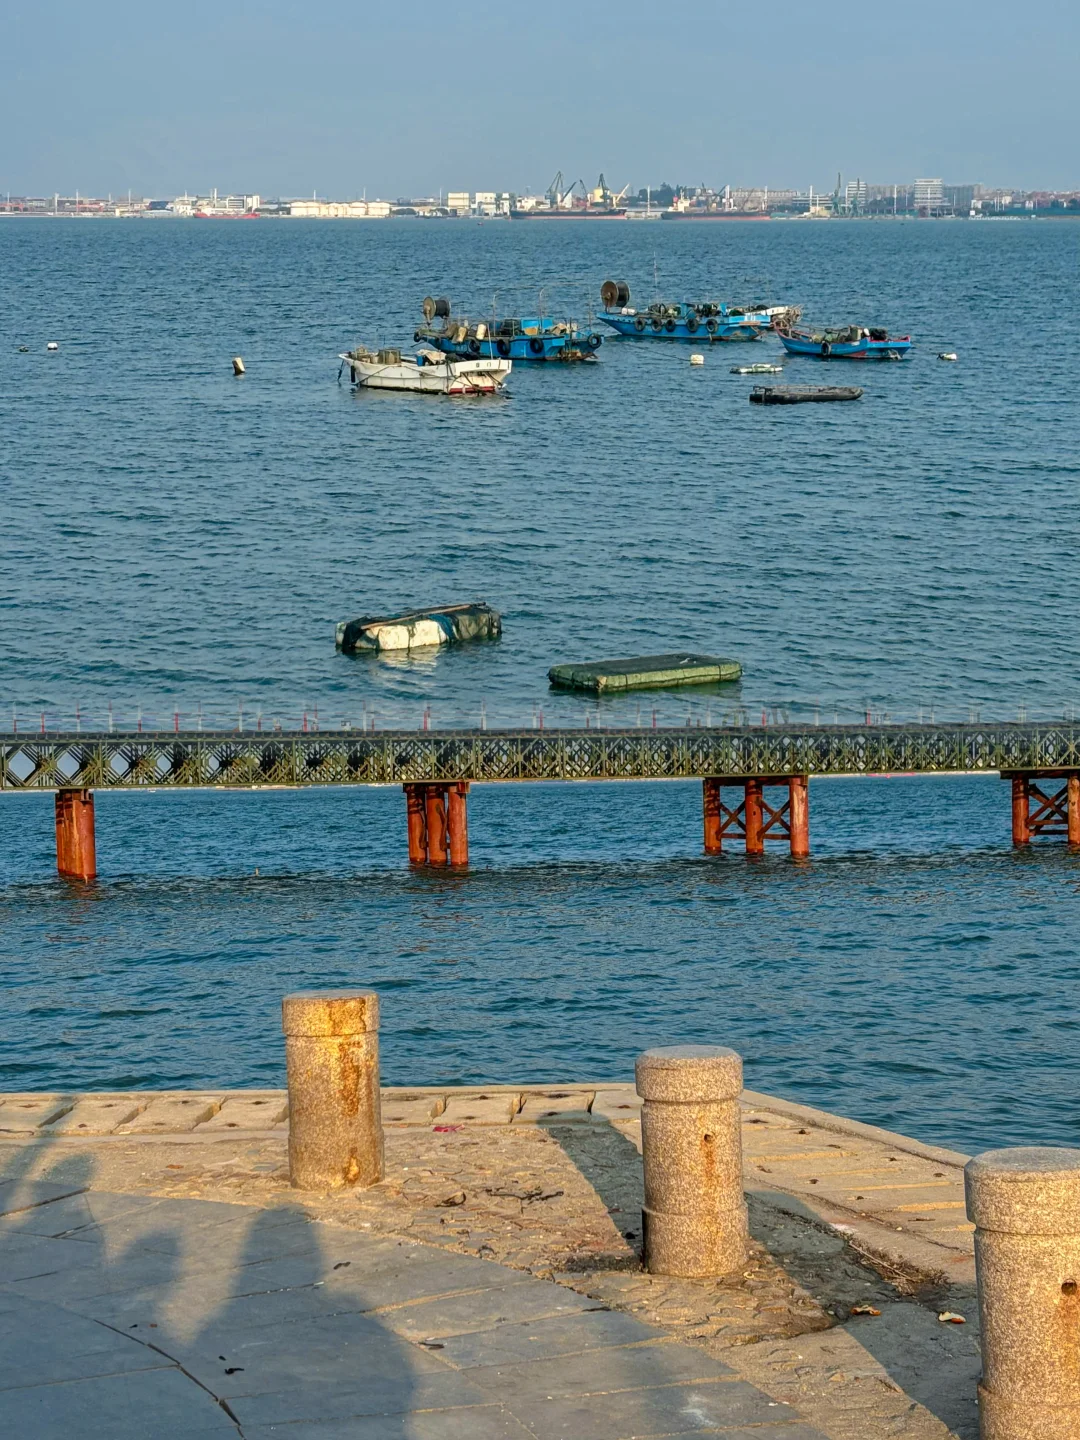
(645, 672)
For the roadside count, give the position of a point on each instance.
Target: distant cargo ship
(575, 212)
(715, 215)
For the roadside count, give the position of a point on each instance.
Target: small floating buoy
(52, 345)
(948, 355)
(697, 359)
(237, 365)
(24, 349)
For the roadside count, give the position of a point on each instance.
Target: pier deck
(132, 761)
(437, 767)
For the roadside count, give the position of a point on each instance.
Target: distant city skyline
(284, 99)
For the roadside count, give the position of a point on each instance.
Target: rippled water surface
(175, 539)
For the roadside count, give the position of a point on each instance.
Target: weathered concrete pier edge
(437, 767)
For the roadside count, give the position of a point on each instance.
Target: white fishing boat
(429, 372)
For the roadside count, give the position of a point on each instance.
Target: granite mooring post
(694, 1222)
(1025, 1204)
(332, 1063)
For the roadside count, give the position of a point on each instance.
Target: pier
(754, 778)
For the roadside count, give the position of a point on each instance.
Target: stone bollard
(332, 1061)
(1026, 1207)
(694, 1221)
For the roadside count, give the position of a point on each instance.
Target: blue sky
(289, 98)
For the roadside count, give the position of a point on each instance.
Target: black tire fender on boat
(693, 324)
(669, 326)
(658, 325)
(710, 326)
(639, 324)
(826, 349)
(594, 341)
(503, 347)
(536, 346)
(417, 337)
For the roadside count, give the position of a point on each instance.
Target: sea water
(178, 542)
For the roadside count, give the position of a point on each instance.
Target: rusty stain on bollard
(1025, 1204)
(694, 1222)
(332, 1063)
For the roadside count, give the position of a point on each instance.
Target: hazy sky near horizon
(281, 97)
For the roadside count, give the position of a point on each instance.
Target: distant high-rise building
(930, 197)
(855, 196)
(960, 198)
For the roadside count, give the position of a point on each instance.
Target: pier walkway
(159, 1277)
(436, 768)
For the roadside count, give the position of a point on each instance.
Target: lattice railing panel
(136, 761)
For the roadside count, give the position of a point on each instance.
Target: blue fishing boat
(845, 342)
(527, 337)
(703, 321)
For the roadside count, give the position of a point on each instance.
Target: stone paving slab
(561, 1106)
(379, 1361)
(864, 1181)
(248, 1112)
(487, 1422)
(411, 1109)
(171, 1115)
(95, 1115)
(480, 1109)
(18, 1195)
(23, 1114)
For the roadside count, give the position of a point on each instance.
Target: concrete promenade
(159, 1278)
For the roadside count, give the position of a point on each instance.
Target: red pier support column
(799, 816)
(416, 811)
(714, 831)
(458, 822)
(437, 851)
(1074, 809)
(755, 838)
(1021, 820)
(76, 851)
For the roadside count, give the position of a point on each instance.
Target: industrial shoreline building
(922, 198)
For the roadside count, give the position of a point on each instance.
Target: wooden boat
(802, 394)
(430, 373)
(847, 342)
(701, 321)
(530, 338)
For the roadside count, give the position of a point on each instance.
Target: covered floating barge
(414, 629)
(644, 672)
(802, 394)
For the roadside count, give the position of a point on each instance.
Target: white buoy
(237, 365)
(697, 359)
(52, 345)
(948, 355)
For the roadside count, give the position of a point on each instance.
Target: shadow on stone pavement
(803, 1282)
